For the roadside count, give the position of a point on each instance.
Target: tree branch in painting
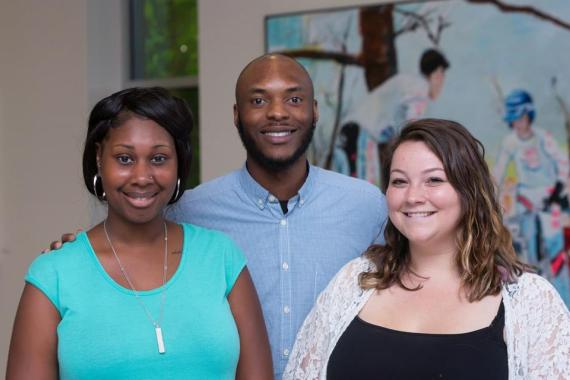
(414, 20)
(524, 9)
(339, 57)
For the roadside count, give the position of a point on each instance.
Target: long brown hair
(486, 257)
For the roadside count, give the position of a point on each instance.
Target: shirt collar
(305, 190)
(260, 196)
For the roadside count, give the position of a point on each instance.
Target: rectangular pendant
(159, 340)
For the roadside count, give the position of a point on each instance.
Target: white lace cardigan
(537, 327)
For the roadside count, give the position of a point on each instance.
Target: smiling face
(422, 204)
(138, 167)
(275, 112)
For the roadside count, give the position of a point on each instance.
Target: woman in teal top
(137, 296)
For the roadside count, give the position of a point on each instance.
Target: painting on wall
(498, 67)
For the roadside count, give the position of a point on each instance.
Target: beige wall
(3, 179)
(60, 56)
(43, 105)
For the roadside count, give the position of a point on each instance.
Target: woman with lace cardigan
(446, 296)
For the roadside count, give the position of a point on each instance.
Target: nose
(277, 111)
(415, 194)
(142, 173)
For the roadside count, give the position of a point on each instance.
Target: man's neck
(283, 184)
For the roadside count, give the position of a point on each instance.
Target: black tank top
(367, 351)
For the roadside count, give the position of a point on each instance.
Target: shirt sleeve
(235, 261)
(43, 275)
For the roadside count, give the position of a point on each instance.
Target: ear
(316, 110)
(236, 115)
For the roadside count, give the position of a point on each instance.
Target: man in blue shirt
(297, 224)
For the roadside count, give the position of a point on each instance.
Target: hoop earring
(103, 196)
(177, 190)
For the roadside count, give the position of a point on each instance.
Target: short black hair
(154, 103)
(431, 60)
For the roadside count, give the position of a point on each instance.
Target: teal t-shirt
(105, 334)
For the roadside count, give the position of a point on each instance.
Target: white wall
(43, 106)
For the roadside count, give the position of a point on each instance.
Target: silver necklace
(156, 323)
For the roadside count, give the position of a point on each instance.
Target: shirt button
(286, 310)
(285, 265)
(285, 352)
(283, 222)
(302, 201)
(272, 198)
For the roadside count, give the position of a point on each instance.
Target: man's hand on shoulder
(65, 238)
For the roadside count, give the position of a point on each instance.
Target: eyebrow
(423, 171)
(260, 90)
(131, 147)
(295, 89)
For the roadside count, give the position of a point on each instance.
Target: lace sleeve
(325, 322)
(548, 331)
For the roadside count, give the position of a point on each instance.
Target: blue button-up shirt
(291, 257)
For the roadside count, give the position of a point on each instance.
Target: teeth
(278, 134)
(140, 196)
(418, 214)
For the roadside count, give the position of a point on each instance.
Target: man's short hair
(432, 60)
